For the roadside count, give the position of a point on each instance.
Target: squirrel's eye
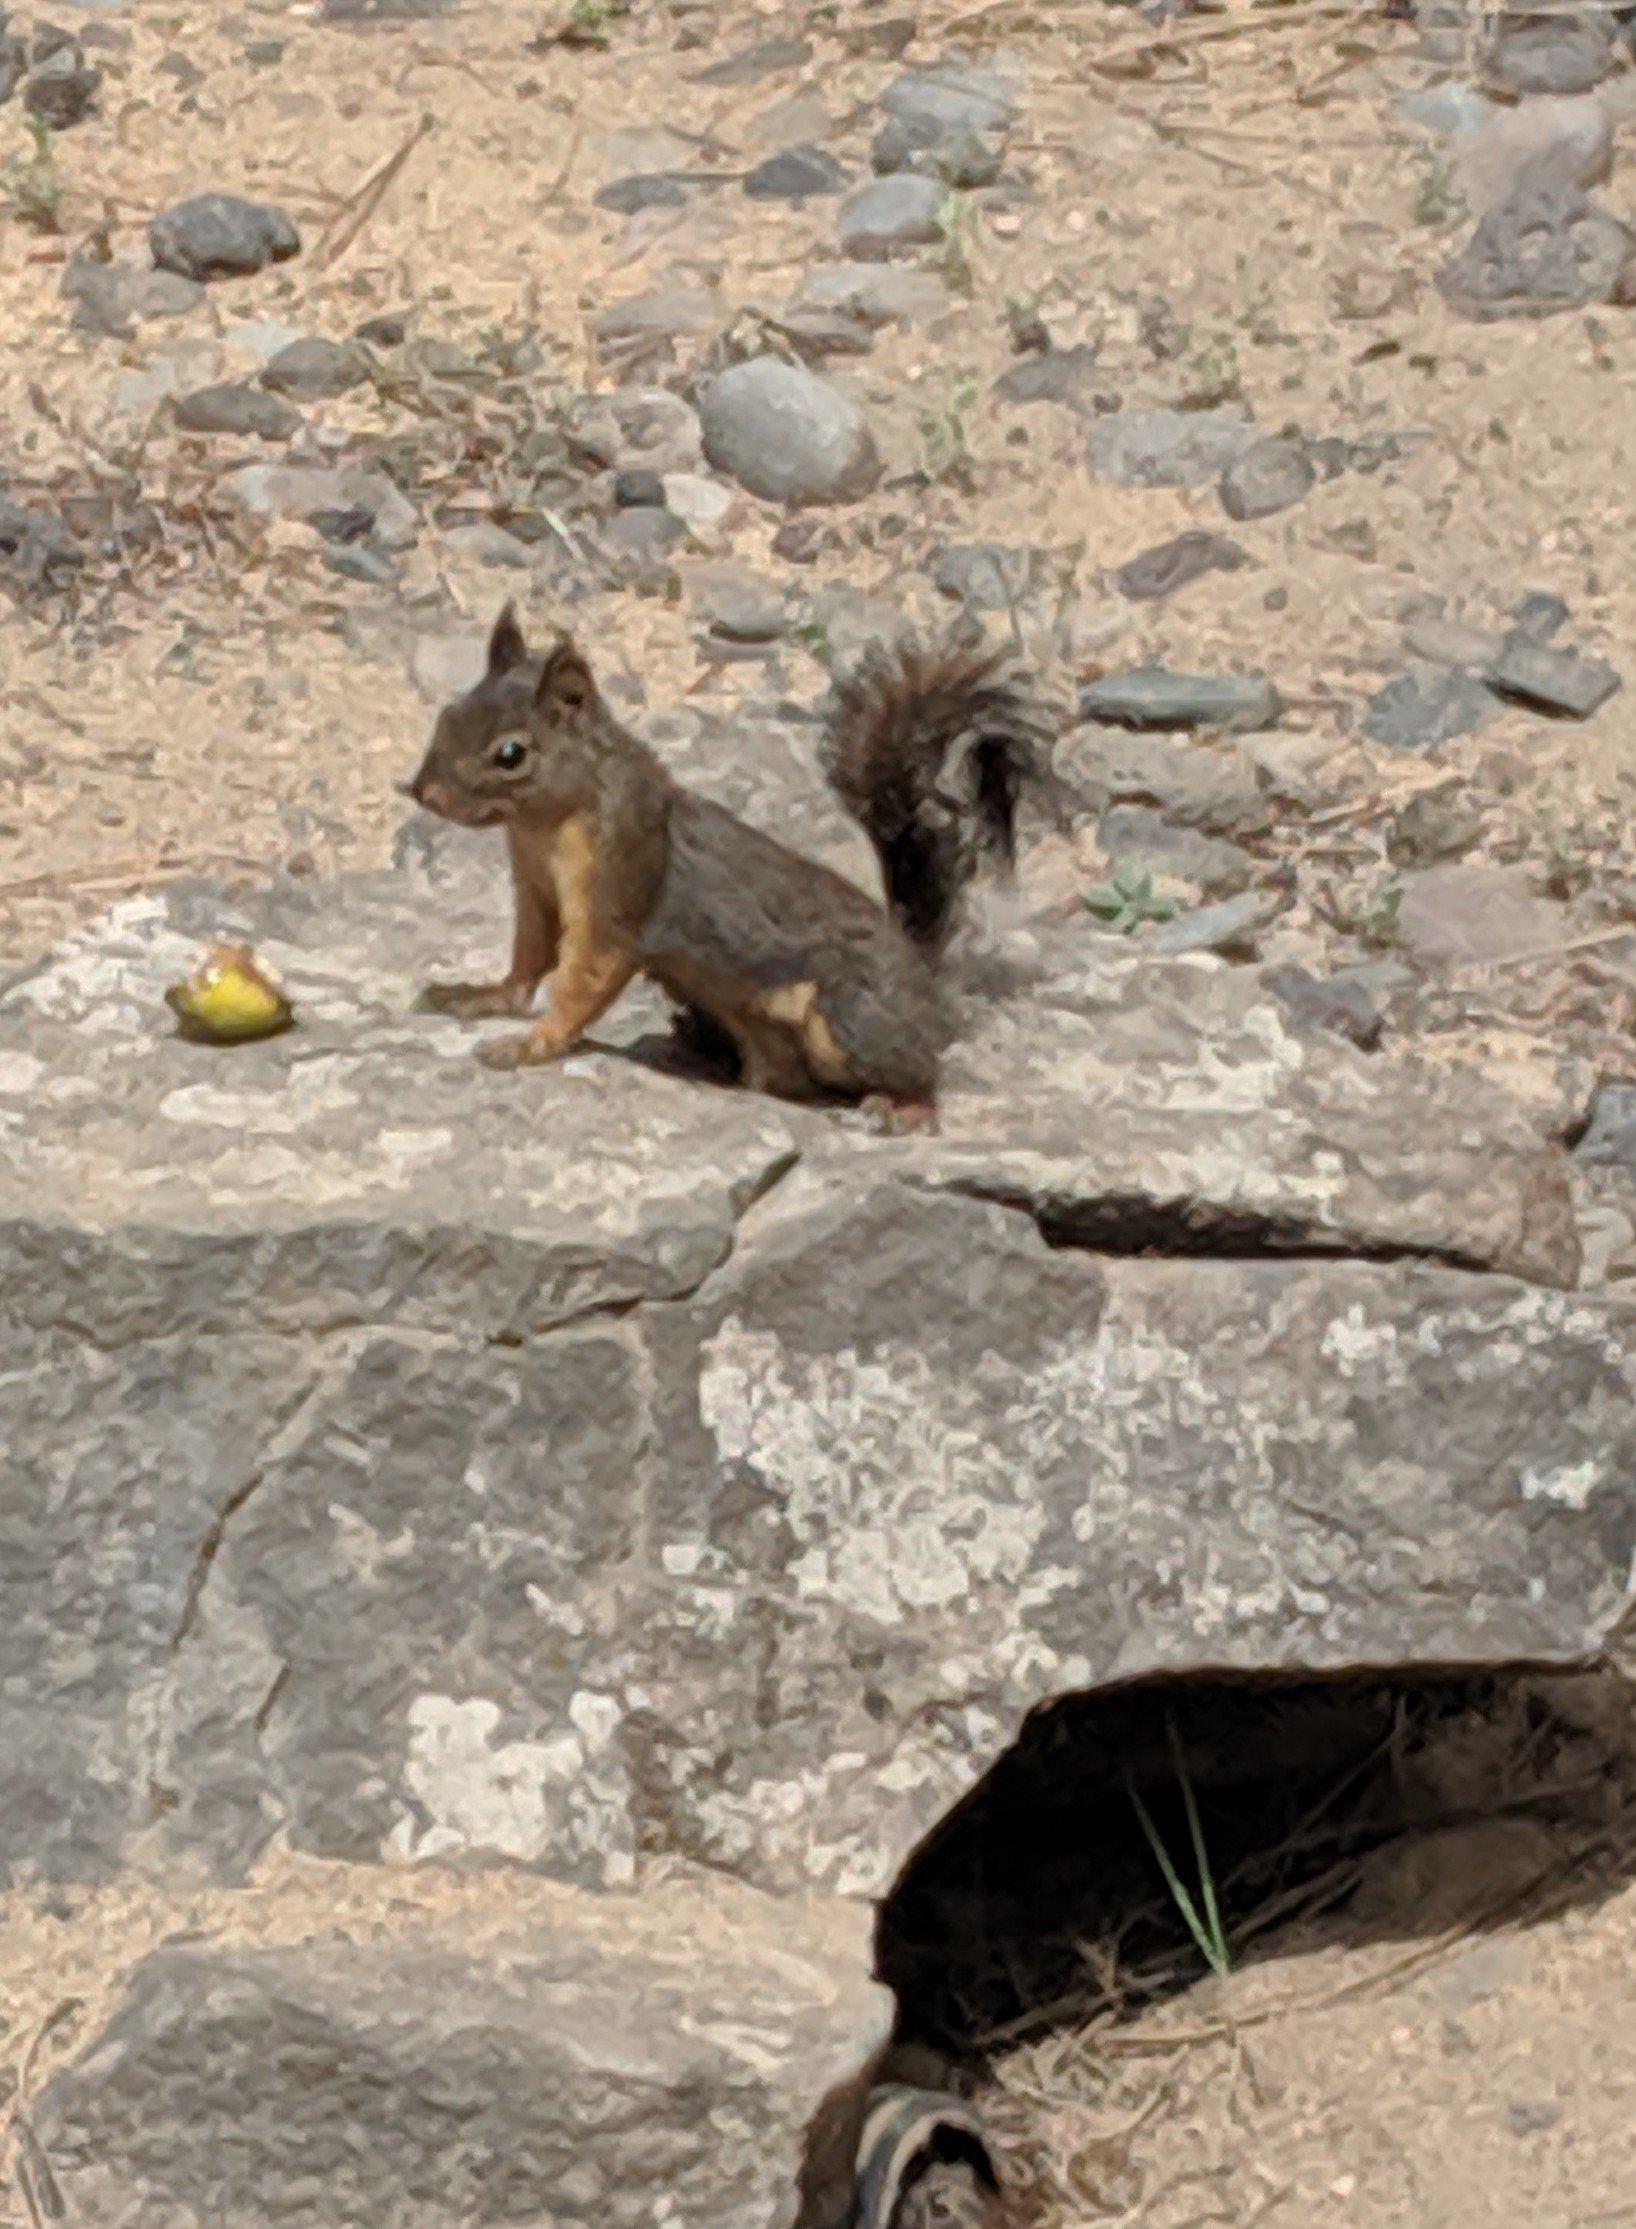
(510, 753)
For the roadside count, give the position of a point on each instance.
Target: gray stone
(892, 216)
(1269, 476)
(1550, 680)
(1539, 615)
(1233, 926)
(878, 295)
(292, 1330)
(1353, 1001)
(232, 408)
(1156, 698)
(1070, 376)
(1544, 248)
(635, 486)
(221, 235)
(787, 435)
(1418, 710)
(961, 155)
(610, 2060)
(13, 63)
(489, 544)
(1139, 840)
(766, 58)
(659, 189)
(314, 370)
(1449, 111)
(318, 493)
(950, 97)
(1610, 1137)
(109, 298)
(1168, 448)
(984, 576)
(1158, 573)
(1200, 785)
(668, 313)
(639, 429)
(61, 90)
(1567, 143)
(366, 14)
(641, 541)
(796, 174)
(361, 561)
(1564, 55)
(1469, 915)
(735, 603)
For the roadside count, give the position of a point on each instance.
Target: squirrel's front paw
(471, 1002)
(530, 1050)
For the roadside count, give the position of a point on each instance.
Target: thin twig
(361, 204)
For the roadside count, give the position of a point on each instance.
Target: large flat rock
(679, 2056)
(572, 1468)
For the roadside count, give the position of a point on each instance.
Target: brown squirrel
(618, 870)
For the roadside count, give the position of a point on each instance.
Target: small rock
(638, 485)
(639, 429)
(13, 63)
(984, 576)
(1417, 710)
(219, 235)
(1565, 143)
(1168, 448)
(1531, 2117)
(815, 334)
(879, 295)
(1565, 54)
(1070, 376)
(668, 314)
(1544, 248)
(264, 54)
(767, 58)
(62, 89)
(1464, 915)
(1451, 642)
(390, 330)
(1610, 1136)
(1539, 615)
(950, 97)
(891, 216)
(1139, 841)
(961, 155)
(1158, 573)
(1353, 1002)
(1269, 476)
(1550, 680)
(735, 603)
(1196, 785)
(1230, 927)
(321, 493)
(360, 561)
(639, 544)
(1155, 698)
(233, 408)
(702, 505)
(314, 370)
(488, 544)
(787, 435)
(1431, 827)
(796, 174)
(1450, 111)
(799, 542)
(657, 189)
(109, 298)
(362, 14)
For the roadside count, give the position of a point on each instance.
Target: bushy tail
(929, 748)
(907, 2131)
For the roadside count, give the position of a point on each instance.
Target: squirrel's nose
(411, 790)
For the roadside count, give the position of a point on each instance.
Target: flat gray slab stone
(629, 2060)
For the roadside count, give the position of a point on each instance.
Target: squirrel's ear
(506, 645)
(566, 681)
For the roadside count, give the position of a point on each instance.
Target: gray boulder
(787, 435)
(682, 2055)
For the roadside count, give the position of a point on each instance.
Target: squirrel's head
(497, 753)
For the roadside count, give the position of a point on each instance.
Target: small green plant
(591, 22)
(945, 434)
(1127, 901)
(954, 253)
(30, 190)
(1201, 1913)
(1438, 201)
(813, 636)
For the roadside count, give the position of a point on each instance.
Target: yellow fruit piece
(229, 1001)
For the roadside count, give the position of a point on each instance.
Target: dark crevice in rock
(1359, 1808)
(1135, 1223)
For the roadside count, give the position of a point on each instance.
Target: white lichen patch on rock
(537, 1801)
